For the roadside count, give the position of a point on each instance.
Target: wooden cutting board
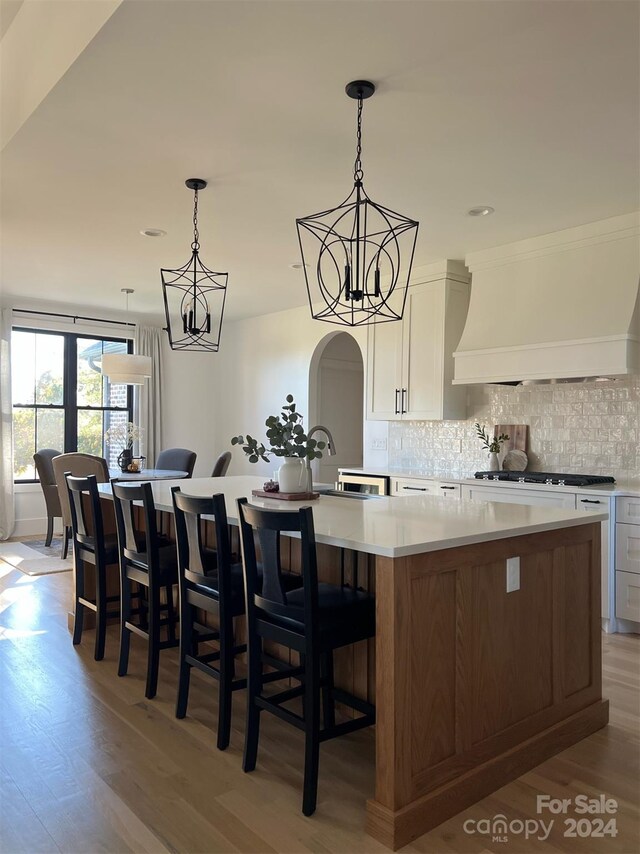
(518, 436)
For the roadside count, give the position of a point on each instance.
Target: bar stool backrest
(193, 557)
(270, 595)
(131, 535)
(86, 516)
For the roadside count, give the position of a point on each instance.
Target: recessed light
(153, 232)
(485, 210)
(298, 266)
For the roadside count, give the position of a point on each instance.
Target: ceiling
(530, 107)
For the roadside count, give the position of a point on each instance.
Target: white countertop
(392, 527)
(620, 488)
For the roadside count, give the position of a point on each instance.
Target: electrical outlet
(513, 574)
(379, 445)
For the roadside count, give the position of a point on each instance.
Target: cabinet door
(587, 501)
(423, 353)
(628, 510)
(384, 367)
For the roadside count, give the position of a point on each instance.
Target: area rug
(31, 560)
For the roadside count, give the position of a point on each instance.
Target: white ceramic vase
(292, 475)
(494, 461)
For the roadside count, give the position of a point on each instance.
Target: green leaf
(318, 455)
(253, 458)
(234, 440)
(289, 398)
(322, 445)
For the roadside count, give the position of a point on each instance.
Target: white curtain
(148, 397)
(7, 509)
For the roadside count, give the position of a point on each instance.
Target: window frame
(69, 404)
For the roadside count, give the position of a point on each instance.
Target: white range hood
(562, 306)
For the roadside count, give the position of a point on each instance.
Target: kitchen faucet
(331, 450)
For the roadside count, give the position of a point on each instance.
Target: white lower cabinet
(627, 558)
(588, 502)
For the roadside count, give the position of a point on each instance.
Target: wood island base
(474, 685)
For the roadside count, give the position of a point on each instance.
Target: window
(60, 398)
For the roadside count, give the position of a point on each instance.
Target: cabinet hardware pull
(447, 487)
(416, 488)
(397, 404)
(590, 501)
(403, 405)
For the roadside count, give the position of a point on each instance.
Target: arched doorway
(336, 400)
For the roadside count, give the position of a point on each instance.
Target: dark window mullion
(70, 393)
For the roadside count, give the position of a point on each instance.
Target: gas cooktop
(552, 478)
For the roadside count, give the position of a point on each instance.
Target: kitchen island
(482, 670)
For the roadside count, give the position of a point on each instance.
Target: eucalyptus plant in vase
(287, 440)
(493, 445)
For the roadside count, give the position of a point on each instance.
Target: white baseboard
(33, 527)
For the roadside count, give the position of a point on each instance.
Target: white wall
(190, 401)
(261, 360)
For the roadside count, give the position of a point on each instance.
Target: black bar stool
(313, 620)
(144, 559)
(208, 580)
(90, 545)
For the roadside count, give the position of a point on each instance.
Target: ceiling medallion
(194, 296)
(359, 273)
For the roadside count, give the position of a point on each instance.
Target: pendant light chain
(196, 234)
(358, 173)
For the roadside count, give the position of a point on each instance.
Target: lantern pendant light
(194, 296)
(126, 368)
(359, 272)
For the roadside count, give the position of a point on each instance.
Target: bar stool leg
(153, 650)
(328, 704)
(125, 615)
(101, 612)
(311, 734)
(226, 678)
(254, 688)
(186, 648)
(78, 619)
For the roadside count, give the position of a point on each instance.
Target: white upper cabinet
(410, 362)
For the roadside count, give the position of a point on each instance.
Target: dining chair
(313, 620)
(221, 465)
(177, 459)
(44, 467)
(78, 465)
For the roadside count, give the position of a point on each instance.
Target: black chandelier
(194, 295)
(361, 272)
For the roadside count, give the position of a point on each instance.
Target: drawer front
(587, 501)
(519, 496)
(409, 486)
(627, 548)
(628, 596)
(628, 510)
(449, 490)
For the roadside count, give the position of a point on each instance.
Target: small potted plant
(493, 445)
(124, 435)
(287, 440)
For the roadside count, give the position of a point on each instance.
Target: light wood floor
(88, 765)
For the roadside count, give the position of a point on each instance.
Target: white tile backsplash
(579, 427)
